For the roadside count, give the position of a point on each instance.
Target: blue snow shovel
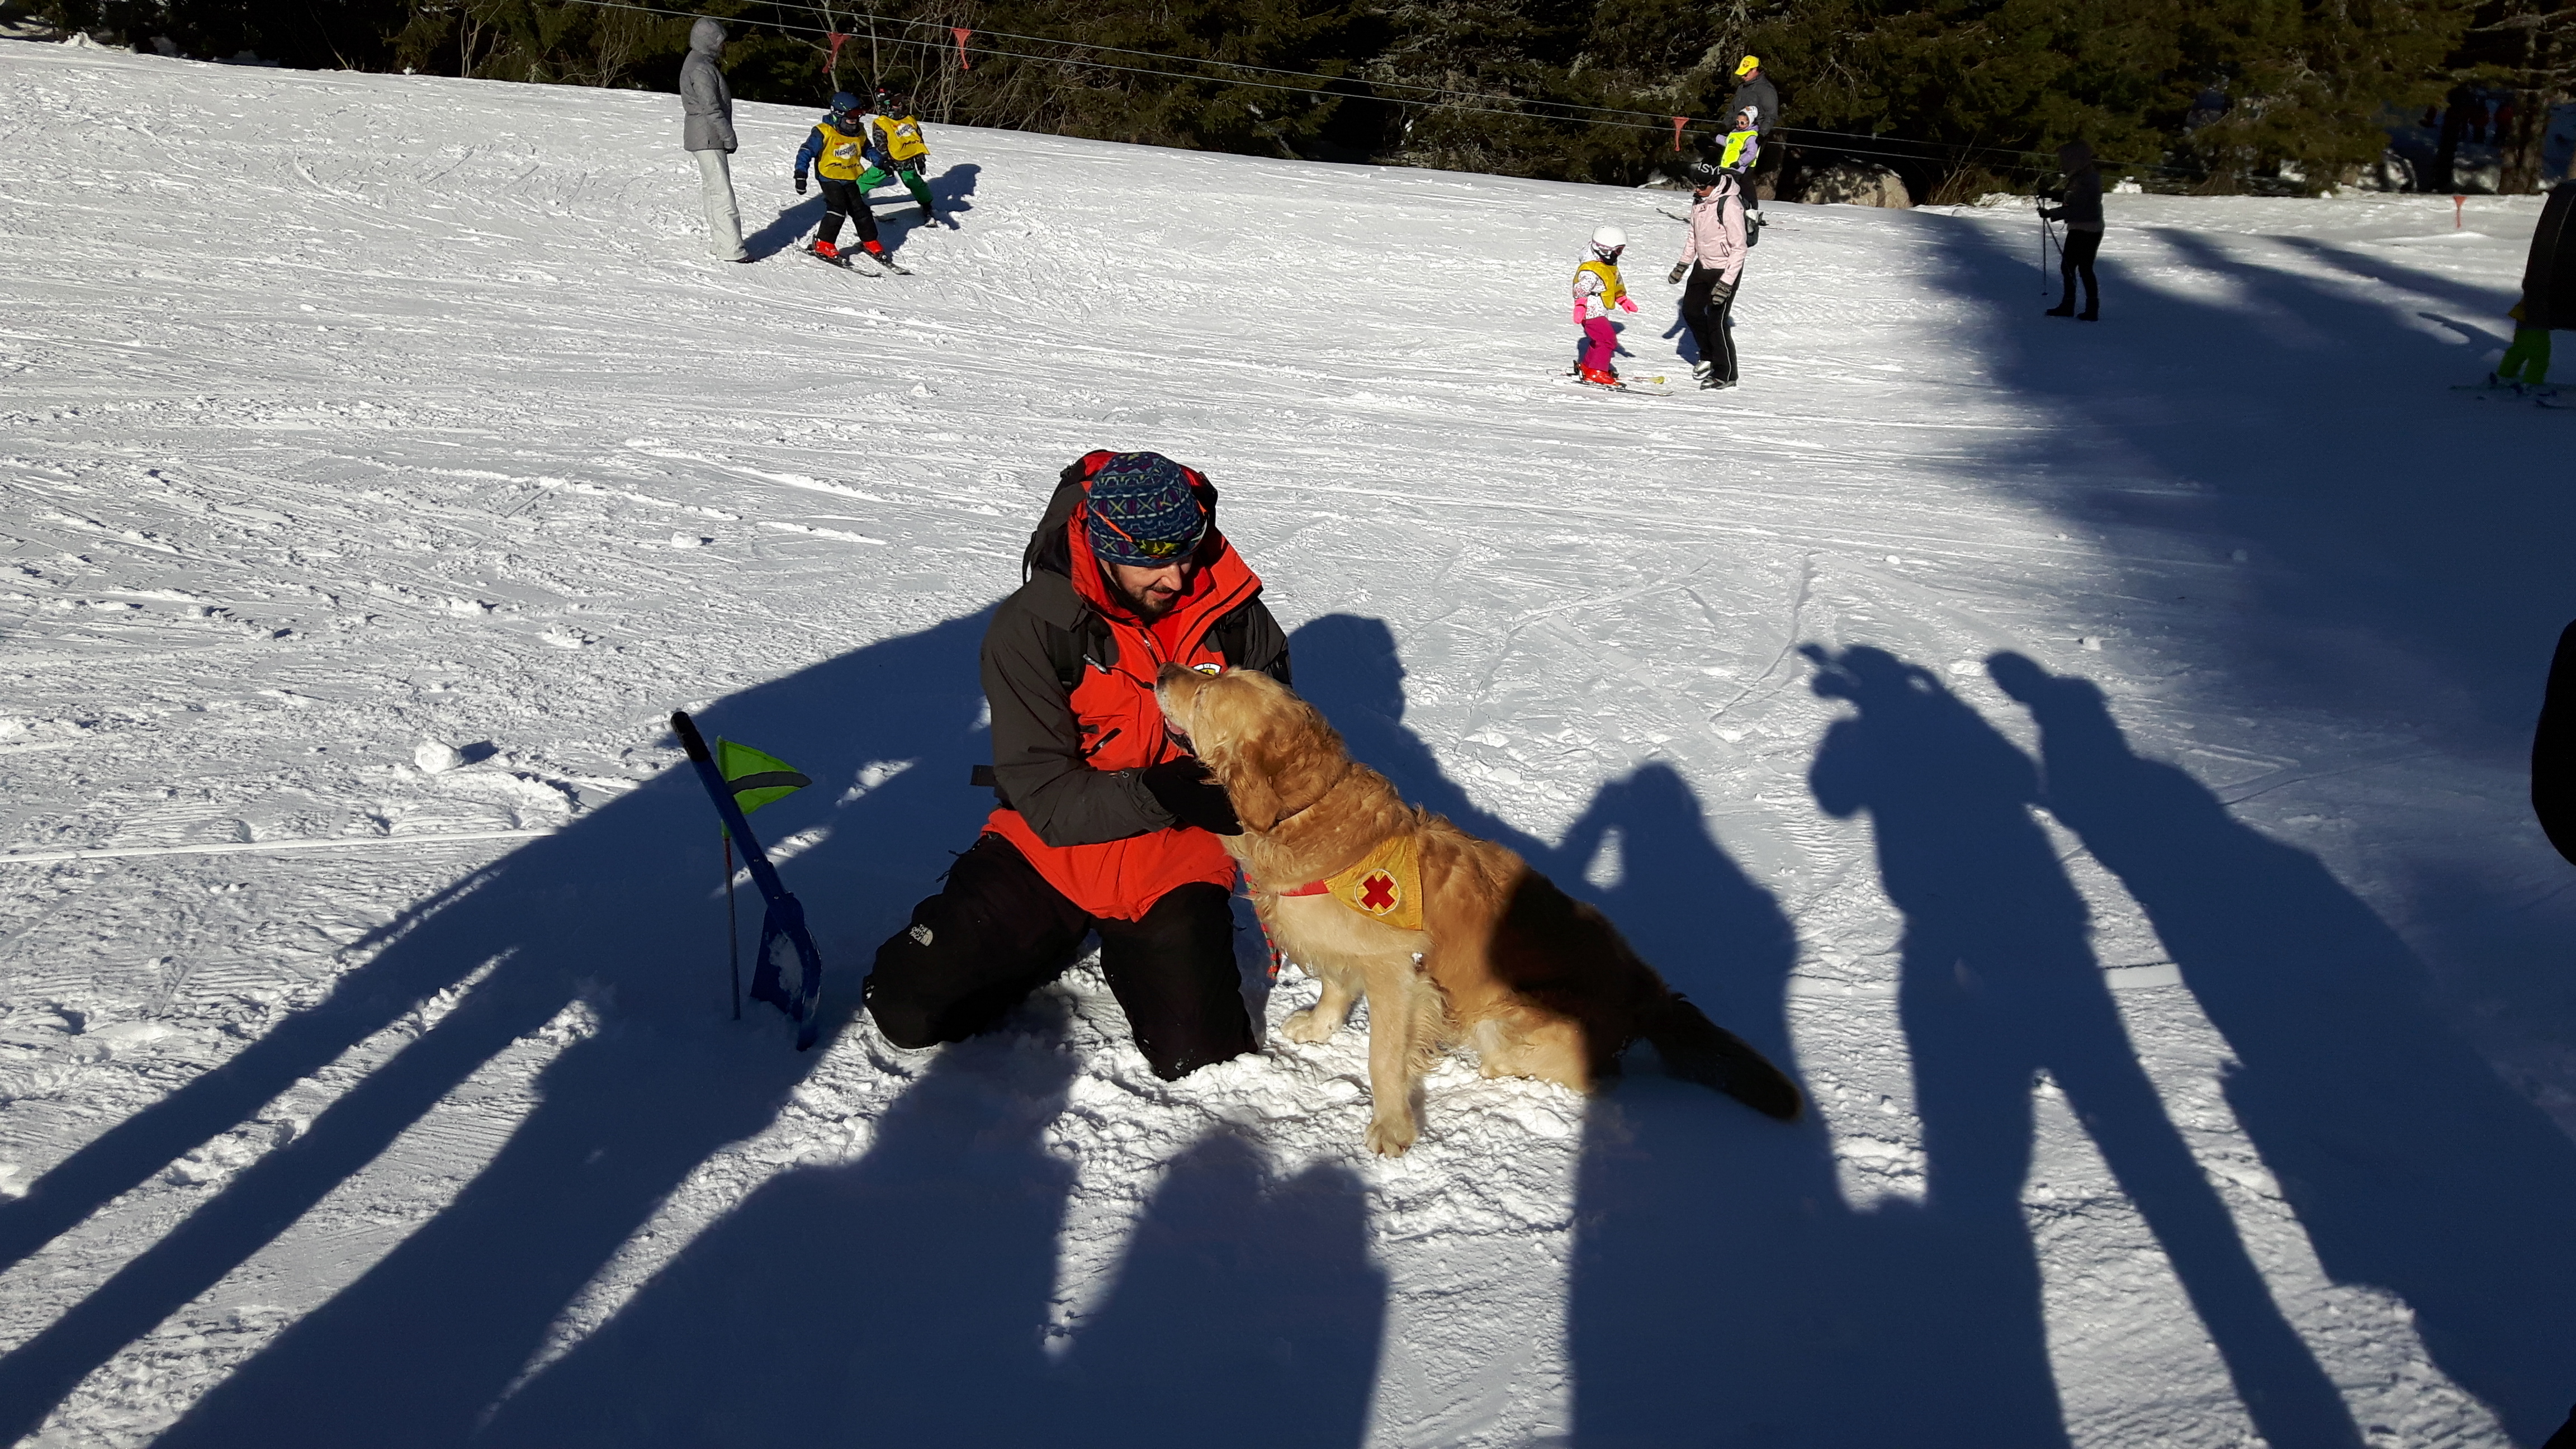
(789, 972)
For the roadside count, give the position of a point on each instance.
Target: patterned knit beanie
(1141, 512)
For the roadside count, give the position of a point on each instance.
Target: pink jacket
(1717, 231)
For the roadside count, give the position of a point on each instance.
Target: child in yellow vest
(838, 152)
(1744, 143)
(899, 141)
(1597, 289)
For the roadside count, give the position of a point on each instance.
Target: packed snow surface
(2088, 755)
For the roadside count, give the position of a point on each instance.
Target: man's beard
(1139, 606)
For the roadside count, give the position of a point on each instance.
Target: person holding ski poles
(1106, 824)
(1597, 289)
(2081, 210)
(1713, 259)
(838, 151)
(899, 140)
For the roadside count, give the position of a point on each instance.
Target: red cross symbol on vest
(1377, 892)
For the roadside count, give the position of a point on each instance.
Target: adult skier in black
(2082, 213)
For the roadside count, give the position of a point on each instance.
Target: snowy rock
(1852, 183)
(435, 758)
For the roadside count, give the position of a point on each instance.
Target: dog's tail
(1697, 1049)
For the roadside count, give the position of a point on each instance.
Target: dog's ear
(1244, 771)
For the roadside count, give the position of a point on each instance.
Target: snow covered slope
(1968, 690)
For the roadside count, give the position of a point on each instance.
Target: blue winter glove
(800, 183)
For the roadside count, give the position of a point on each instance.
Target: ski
(1641, 386)
(2509, 392)
(841, 263)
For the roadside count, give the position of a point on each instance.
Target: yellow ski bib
(1611, 287)
(902, 139)
(844, 155)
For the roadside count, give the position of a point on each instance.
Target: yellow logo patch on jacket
(1385, 886)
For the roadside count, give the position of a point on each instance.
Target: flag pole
(733, 935)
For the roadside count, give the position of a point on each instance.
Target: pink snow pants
(1601, 341)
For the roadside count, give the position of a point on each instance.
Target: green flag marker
(757, 778)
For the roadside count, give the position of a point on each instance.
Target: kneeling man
(1105, 824)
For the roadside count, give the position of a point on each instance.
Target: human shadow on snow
(2409, 1163)
(1724, 1291)
(903, 1299)
(614, 917)
(793, 222)
(614, 920)
(2407, 576)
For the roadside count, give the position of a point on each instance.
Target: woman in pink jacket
(1713, 259)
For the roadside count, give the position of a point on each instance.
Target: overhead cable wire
(1837, 141)
(1655, 121)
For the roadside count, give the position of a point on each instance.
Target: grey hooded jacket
(704, 98)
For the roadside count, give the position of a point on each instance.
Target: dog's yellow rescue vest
(1386, 885)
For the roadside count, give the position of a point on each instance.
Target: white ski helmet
(1608, 242)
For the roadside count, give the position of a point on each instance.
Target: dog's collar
(1312, 887)
(1287, 816)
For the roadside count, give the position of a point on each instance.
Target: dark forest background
(1959, 96)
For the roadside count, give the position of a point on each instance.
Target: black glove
(800, 186)
(1182, 786)
(1680, 270)
(2052, 213)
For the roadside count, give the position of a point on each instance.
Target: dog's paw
(1308, 1027)
(1390, 1136)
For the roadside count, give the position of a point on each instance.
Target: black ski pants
(997, 931)
(845, 198)
(1706, 301)
(2077, 260)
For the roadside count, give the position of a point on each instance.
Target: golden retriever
(1486, 950)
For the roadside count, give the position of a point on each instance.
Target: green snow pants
(2527, 360)
(878, 176)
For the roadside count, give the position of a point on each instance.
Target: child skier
(1597, 289)
(899, 138)
(1744, 143)
(838, 152)
(2526, 363)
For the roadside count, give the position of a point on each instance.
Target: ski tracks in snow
(399, 421)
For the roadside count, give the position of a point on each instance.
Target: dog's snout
(1170, 672)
